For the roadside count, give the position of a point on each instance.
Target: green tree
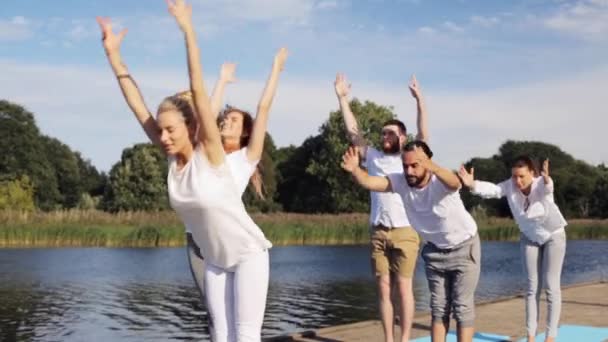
(311, 177)
(23, 153)
(138, 181)
(66, 171)
(17, 194)
(599, 197)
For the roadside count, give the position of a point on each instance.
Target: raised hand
(182, 13)
(423, 160)
(110, 40)
(342, 86)
(279, 59)
(350, 159)
(545, 169)
(468, 178)
(415, 88)
(227, 72)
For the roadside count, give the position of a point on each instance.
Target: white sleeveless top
(208, 201)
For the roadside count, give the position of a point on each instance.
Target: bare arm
(226, 76)
(548, 181)
(130, 91)
(209, 133)
(480, 188)
(342, 88)
(258, 134)
(350, 163)
(421, 118)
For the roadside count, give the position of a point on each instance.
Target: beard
(391, 145)
(414, 181)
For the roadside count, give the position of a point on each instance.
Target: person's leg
(220, 303)
(250, 290)
(553, 260)
(197, 264)
(530, 260)
(467, 262)
(439, 287)
(381, 270)
(404, 252)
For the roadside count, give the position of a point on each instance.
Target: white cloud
(584, 19)
(452, 27)
(86, 110)
(484, 21)
(17, 28)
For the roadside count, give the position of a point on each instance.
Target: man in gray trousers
(452, 251)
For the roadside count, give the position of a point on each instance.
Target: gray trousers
(453, 275)
(543, 265)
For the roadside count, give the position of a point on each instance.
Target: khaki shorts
(394, 250)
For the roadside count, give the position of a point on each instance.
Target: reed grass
(91, 228)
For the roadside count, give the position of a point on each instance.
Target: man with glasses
(394, 243)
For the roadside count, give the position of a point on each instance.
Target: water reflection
(148, 295)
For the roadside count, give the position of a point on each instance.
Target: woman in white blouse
(543, 238)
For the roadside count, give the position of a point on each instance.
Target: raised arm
(209, 133)
(226, 76)
(342, 88)
(130, 91)
(258, 134)
(479, 188)
(547, 180)
(350, 163)
(421, 118)
(446, 176)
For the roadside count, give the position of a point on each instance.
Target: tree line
(38, 172)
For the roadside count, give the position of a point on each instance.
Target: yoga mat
(578, 333)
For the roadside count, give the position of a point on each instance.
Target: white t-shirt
(436, 212)
(241, 168)
(386, 207)
(207, 199)
(541, 220)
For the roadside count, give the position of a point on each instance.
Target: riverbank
(82, 228)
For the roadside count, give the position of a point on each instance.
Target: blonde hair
(181, 102)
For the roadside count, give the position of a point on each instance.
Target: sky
(489, 70)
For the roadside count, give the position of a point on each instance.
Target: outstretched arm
(342, 88)
(483, 189)
(258, 134)
(350, 163)
(130, 91)
(421, 118)
(226, 76)
(209, 133)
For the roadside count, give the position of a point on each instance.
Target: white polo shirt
(386, 207)
(436, 212)
(541, 220)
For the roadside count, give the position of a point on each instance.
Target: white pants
(236, 299)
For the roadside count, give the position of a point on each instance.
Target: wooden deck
(585, 304)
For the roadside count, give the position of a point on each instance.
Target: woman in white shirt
(243, 141)
(543, 238)
(204, 190)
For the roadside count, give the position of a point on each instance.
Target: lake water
(129, 294)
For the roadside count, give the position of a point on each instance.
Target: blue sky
(490, 70)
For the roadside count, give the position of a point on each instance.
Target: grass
(81, 228)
